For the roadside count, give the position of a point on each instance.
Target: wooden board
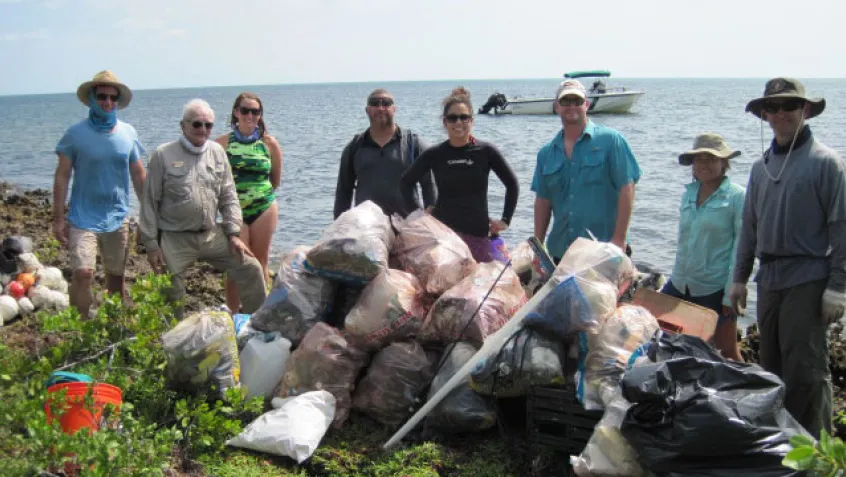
(677, 316)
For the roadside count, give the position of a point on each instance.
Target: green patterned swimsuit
(251, 171)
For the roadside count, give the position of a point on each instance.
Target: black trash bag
(529, 358)
(462, 410)
(695, 414)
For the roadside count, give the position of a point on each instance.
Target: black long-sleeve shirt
(461, 176)
(373, 173)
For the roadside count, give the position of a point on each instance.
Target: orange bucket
(75, 415)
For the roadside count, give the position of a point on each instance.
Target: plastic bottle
(263, 363)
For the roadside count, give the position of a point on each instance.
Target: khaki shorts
(113, 249)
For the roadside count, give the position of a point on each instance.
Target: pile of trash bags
(26, 285)
(417, 308)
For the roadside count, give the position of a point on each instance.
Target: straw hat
(709, 143)
(105, 78)
(785, 88)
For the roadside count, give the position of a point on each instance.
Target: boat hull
(608, 103)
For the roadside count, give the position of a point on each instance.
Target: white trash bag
(293, 429)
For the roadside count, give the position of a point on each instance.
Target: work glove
(833, 306)
(737, 297)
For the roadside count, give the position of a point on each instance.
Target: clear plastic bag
(604, 258)
(521, 261)
(389, 309)
(394, 382)
(450, 314)
(587, 283)
(462, 409)
(527, 359)
(433, 253)
(324, 360)
(297, 301)
(608, 453)
(201, 351)
(609, 351)
(354, 248)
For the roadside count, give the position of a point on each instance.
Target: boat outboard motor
(496, 101)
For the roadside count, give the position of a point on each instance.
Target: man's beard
(383, 121)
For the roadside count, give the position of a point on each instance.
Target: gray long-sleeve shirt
(373, 173)
(185, 191)
(796, 226)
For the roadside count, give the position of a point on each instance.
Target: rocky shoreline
(28, 212)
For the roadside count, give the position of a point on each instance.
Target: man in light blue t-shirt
(102, 153)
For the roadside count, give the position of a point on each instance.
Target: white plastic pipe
(492, 345)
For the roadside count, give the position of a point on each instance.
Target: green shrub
(121, 346)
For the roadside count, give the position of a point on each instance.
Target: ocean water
(314, 122)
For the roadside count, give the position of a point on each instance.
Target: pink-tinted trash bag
(324, 360)
(389, 309)
(454, 309)
(432, 252)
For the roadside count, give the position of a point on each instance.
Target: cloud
(172, 33)
(52, 4)
(138, 23)
(26, 36)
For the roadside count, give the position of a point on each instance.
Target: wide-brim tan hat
(105, 78)
(785, 88)
(708, 143)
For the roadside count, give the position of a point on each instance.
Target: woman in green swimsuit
(256, 160)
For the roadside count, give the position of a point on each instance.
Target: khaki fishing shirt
(185, 191)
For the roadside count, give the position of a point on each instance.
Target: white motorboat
(602, 99)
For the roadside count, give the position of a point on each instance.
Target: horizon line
(319, 83)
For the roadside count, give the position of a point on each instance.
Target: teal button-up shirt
(707, 242)
(584, 190)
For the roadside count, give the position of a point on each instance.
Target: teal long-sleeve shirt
(707, 240)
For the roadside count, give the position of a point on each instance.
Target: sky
(49, 46)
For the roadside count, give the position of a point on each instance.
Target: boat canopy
(588, 74)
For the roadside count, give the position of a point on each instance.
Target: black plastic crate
(556, 422)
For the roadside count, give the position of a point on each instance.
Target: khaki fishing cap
(785, 88)
(709, 143)
(105, 78)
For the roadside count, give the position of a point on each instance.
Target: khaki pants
(182, 249)
(794, 346)
(83, 244)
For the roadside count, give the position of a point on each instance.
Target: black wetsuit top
(461, 176)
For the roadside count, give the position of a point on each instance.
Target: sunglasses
(571, 101)
(376, 102)
(788, 106)
(104, 96)
(199, 124)
(454, 118)
(245, 111)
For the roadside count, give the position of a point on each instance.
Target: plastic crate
(556, 422)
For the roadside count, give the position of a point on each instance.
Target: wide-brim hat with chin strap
(708, 143)
(105, 78)
(785, 88)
